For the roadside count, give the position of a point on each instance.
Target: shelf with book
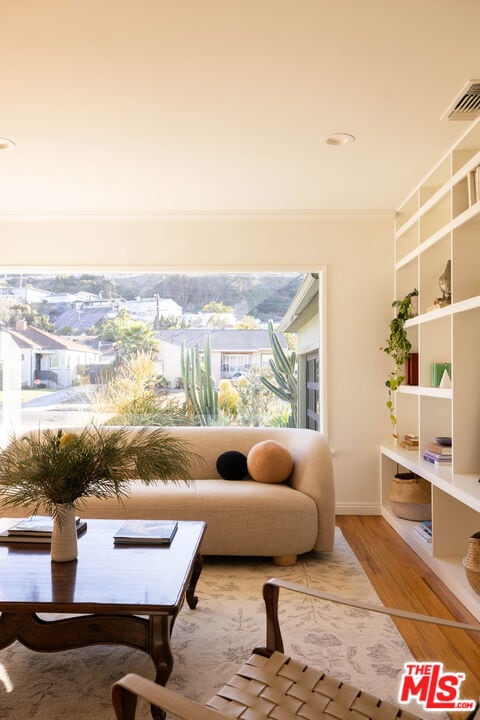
(406, 529)
(440, 222)
(453, 520)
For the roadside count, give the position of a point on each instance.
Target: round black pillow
(232, 465)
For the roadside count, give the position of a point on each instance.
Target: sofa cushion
(243, 517)
(232, 465)
(269, 462)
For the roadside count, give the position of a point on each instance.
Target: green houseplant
(398, 348)
(54, 471)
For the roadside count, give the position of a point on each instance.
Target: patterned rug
(210, 642)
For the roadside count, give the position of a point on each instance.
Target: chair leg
(124, 703)
(285, 560)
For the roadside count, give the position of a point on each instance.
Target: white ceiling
(222, 105)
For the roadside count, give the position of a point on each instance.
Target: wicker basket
(410, 497)
(471, 562)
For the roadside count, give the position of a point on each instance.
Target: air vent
(467, 105)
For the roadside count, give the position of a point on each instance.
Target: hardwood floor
(403, 580)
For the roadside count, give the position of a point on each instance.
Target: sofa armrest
(313, 476)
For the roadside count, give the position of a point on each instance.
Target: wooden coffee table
(107, 587)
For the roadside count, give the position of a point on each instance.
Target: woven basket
(410, 497)
(471, 562)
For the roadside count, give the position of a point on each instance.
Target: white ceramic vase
(64, 535)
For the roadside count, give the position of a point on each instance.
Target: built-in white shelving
(440, 221)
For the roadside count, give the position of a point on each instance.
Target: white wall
(356, 249)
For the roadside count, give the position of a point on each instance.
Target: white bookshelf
(439, 221)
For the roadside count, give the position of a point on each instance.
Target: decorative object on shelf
(398, 347)
(410, 442)
(445, 283)
(438, 371)
(444, 440)
(53, 470)
(410, 497)
(471, 562)
(412, 369)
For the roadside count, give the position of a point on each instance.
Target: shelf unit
(440, 221)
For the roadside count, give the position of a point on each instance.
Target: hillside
(263, 295)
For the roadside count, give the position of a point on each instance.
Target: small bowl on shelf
(443, 440)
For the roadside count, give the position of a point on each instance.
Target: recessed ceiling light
(6, 144)
(339, 139)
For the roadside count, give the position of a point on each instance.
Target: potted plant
(55, 471)
(398, 348)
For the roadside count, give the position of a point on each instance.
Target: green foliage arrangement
(398, 348)
(47, 468)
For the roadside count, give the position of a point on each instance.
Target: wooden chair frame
(341, 701)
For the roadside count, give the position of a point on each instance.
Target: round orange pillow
(269, 462)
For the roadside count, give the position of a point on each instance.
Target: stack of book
(425, 530)
(410, 442)
(35, 529)
(438, 454)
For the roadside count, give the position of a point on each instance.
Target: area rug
(210, 642)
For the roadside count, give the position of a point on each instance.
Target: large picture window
(143, 348)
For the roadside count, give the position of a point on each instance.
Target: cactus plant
(283, 368)
(198, 384)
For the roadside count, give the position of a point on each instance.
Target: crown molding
(153, 216)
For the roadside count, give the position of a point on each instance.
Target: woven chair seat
(282, 688)
(271, 685)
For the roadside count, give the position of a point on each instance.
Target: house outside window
(53, 362)
(233, 364)
(266, 357)
(305, 316)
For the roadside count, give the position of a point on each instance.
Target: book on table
(37, 528)
(35, 525)
(146, 532)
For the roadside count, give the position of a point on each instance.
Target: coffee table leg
(161, 653)
(192, 599)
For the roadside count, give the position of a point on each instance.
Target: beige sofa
(243, 517)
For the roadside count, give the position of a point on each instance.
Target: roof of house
(304, 305)
(41, 339)
(225, 340)
(81, 320)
